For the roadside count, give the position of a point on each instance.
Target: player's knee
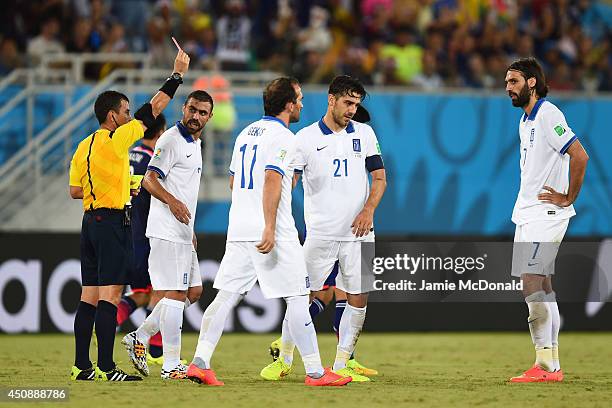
(89, 294)
(110, 293)
(180, 295)
(194, 293)
(360, 300)
(141, 298)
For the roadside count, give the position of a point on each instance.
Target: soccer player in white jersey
(173, 179)
(336, 155)
(549, 150)
(262, 241)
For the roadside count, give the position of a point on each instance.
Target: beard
(340, 119)
(193, 126)
(522, 98)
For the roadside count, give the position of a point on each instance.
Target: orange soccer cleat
(558, 375)
(202, 376)
(329, 379)
(536, 374)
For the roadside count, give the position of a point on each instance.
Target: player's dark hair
(158, 124)
(279, 93)
(344, 85)
(107, 101)
(530, 68)
(201, 96)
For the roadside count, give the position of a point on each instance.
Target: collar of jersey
(327, 131)
(535, 110)
(274, 119)
(184, 132)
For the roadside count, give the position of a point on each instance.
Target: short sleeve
(126, 135)
(372, 148)
(75, 175)
(164, 157)
(299, 158)
(232, 166)
(282, 155)
(557, 132)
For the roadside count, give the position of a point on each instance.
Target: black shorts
(140, 280)
(106, 248)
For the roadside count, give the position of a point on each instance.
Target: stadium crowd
(424, 44)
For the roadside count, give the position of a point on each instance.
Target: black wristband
(171, 85)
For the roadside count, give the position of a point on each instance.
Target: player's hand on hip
(181, 62)
(554, 197)
(180, 211)
(134, 192)
(363, 223)
(267, 241)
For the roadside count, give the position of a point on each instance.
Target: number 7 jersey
(266, 144)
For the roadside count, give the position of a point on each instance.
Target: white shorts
(536, 245)
(280, 273)
(321, 255)
(173, 265)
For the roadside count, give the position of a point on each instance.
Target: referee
(100, 176)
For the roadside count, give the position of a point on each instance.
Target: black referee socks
(83, 327)
(106, 323)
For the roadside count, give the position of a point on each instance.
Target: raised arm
(147, 113)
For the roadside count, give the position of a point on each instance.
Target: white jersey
(178, 161)
(335, 178)
(266, 144)
(545, 138)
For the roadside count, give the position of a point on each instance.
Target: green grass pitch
(416, 369)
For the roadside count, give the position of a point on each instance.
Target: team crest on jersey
(356, 145)
(532, 137)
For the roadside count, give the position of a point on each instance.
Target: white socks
(301, 330)
(211, 329)
(540, 326)
(170, 325)
(287, 344)
(150, 326)
(350, 328)
(551, 298)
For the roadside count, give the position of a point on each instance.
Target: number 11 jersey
(266, 144)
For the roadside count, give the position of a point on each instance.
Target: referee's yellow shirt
(101, 166)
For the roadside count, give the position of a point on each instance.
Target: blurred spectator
(421, 43)
(115, 41)
(316, 37)
(46, 42)
(234, 37)
(131, 14)
(404, 55)
(428, 80)
(161, 48)
(9, 56)
(561, 78)
(80, 39)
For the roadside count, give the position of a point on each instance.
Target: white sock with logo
(349, 330)
(303, 334)
(213, 322)
(540, 326)
(556, 325)
(171, 325)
